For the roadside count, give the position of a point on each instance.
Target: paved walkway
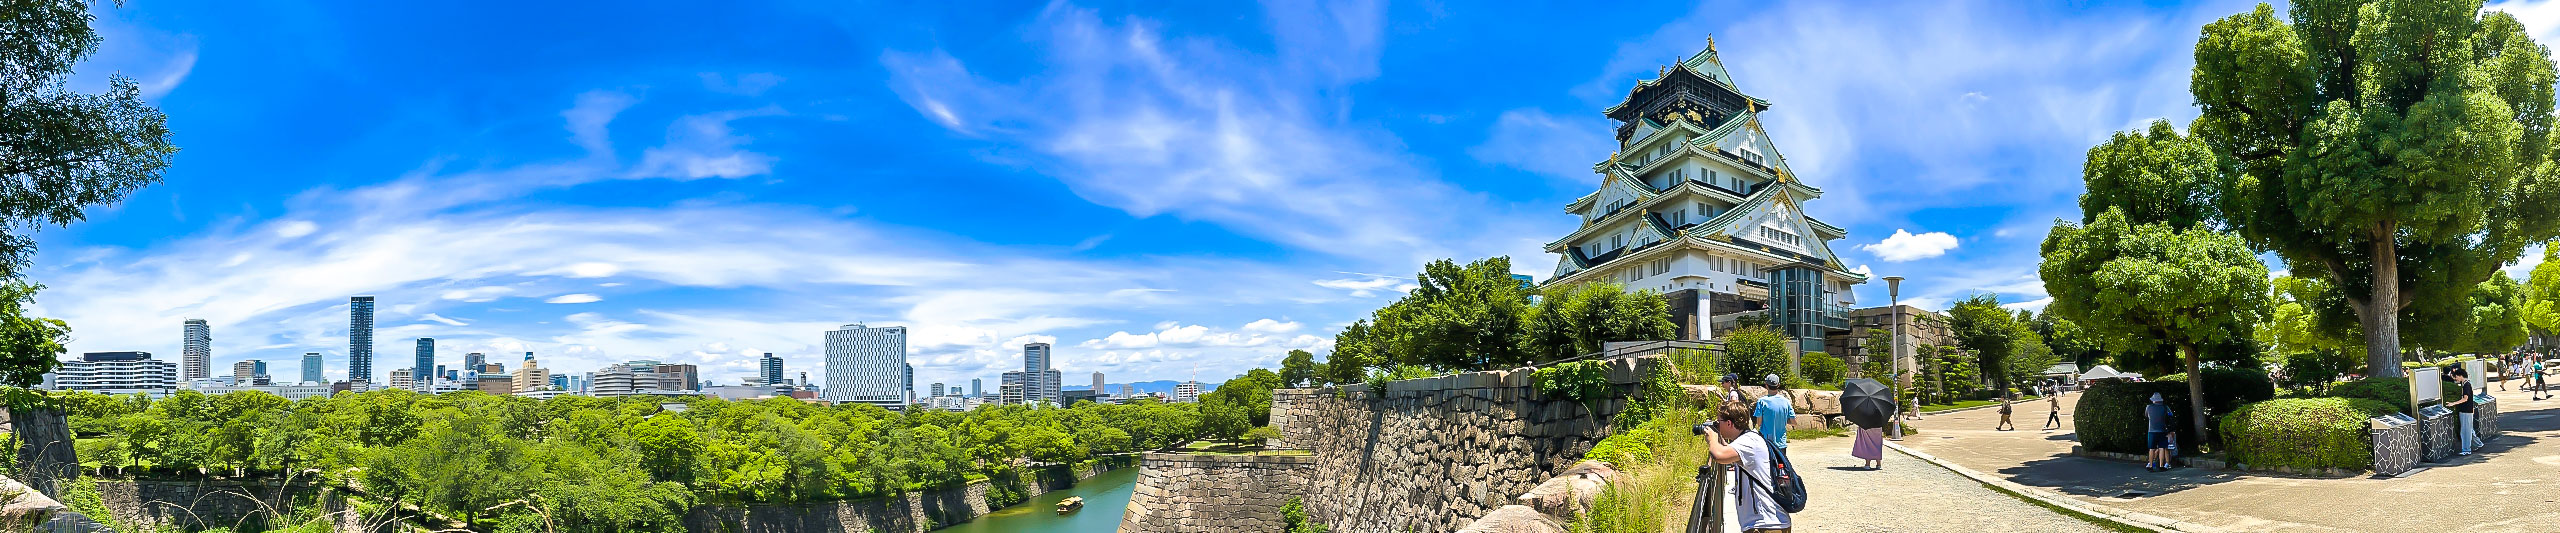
(1908, 495)
(2512, 484)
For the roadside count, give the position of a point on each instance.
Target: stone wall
(1180, 492)
(1433, 454)
(236, 504)
(2436, 434)
(914, 512)
(22, 508)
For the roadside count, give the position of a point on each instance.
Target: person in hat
(2157, 441)
(1730, 390)
(1774, 410)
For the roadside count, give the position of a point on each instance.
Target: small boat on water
(1071, 504)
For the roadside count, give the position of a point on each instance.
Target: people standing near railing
(1774, 410)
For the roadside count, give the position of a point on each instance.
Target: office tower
(910, 381)
(117, 373)
(195, 360)
(977, 388)
(867, 364)
(1186, 392)
(426, 367)
(1009, 388)
(1097, 384)
(937, 390)
(1128, 390)
(558, 380)
(474, 362)
(311, 368)
(403, 377)
(771, 369)
(531, 376)
(249, 372)
(677, 377)
(360, 338)
(1039, 383)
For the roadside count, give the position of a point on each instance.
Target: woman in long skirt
(1869, 446)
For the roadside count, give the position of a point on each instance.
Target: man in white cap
(2156, 442)
(1774, 410)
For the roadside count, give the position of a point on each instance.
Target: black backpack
(1784, 486)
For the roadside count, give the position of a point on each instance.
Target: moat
(1104, 495)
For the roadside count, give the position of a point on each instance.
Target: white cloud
(2540, 17)
(477, 294)
(574, 299)
(1864, 271)
(1271, 326)
(585, 270)
(1904, 246)
(158, 61)
(1131, 119)
(296, 228)
(704, 146)
(1364, 287)
(2029, 305)
(440, 319)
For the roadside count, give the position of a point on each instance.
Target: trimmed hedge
(2226, 389)
(2303, 433)
(2108, 418)
(2390, 391)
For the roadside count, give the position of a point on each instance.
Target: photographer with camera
(1756, 494)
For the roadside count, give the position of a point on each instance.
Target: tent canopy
(2102, 372)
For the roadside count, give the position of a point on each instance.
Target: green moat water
(1104, 497)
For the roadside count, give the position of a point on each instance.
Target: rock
(1571, 493)
(1821, 402)
(1515, 519)
(1806, 421)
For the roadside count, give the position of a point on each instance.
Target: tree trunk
(2382, 311)
(2195, 395)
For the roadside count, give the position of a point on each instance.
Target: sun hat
(2155, 398)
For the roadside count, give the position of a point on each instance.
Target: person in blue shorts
(2157, 441)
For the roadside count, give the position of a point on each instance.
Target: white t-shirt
(1753, 507)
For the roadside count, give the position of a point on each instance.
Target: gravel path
(1908, 495)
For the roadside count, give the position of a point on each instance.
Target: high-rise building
(770, 368)
(867, 364)
(1039, 382)
(977, 388)
(403, 378)
(558, 380)
(1186, 392)
(1129, 390)
(937, 390)
(426, 372)
(474, 362)
(360, 338)
(195, 361)
(250, 372)
(530, 376)
(1696, 204)
(1097, 385)
(117, 373)
(1009, 389)
(911, 381)
(311, 368)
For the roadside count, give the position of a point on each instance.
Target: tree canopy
(2138, 287)
(2360, 136)
(1478, 317)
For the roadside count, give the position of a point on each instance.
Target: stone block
(1514, 519)
(1824, 402)
(1806, 421)
(1572, 492)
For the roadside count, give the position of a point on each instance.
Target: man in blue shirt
(2157, 440)
(1774, 410)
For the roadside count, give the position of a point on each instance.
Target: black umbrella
(1866, 403)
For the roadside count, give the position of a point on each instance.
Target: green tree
(1458, 317)
(2156, 177)
(2488, 320)
(29, 346)
(2137, 287)
(1581, 318)
(2362, 136)
(1299, 369)
(1979, 324)
(1755, 352)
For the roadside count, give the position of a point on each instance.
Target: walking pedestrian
(2005, 425)
(2157, 441)
(1736, 444)
(2463, 409)
(2541, 389)
(1869, 446)
(1774, 410)
(2053, 414)
(2506, 369)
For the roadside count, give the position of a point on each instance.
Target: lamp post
(1901, 374)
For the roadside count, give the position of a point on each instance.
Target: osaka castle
(1697, 205)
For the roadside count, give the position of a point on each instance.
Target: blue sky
(1161, 190)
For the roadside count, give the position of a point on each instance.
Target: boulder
(1821, 402)
(1515, 519)
(1806, 421)
(1571, 493)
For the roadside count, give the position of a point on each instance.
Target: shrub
(1697, 367)
(1260, 435)
(2315, 370)
(2226, 389)
(1755, 352)
(1293, 518)
(2303, 433)
(1820, 367)
(2108, 417)
(2389, 391)
(1626, 447)
(1585, 382)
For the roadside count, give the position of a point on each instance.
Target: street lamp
(1901, 375)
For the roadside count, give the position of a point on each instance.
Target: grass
(1655, 489)
(1810, 434)
(1936, 407)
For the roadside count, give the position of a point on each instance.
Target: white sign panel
(2426, 385)
(2478, 369)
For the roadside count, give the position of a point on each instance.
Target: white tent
(2102, 372)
